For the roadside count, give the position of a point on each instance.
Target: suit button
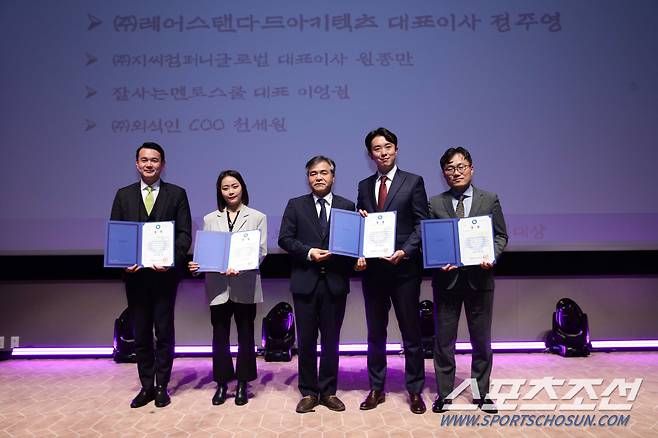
(323, 270)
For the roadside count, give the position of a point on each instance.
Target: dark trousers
(318, 311)
(478, 306)
(384, 285)
(222, 364)
(151, 300)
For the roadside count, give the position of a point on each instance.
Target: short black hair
(321, 159)
(388, 135)
(151, 145)
(221, 202)
(451, 152)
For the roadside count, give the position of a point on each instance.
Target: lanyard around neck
(231, 223)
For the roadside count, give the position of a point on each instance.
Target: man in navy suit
(319, 283)
(396, 279)
(470, 286)
(151, 292)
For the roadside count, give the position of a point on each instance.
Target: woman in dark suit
(233, 293)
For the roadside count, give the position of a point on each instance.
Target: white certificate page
(379, 234)
(157, 244)
(245, 250)
(476, 240)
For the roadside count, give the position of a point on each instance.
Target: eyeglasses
(449, 170)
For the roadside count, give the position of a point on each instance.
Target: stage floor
(90, 397)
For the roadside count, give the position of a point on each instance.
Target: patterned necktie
(460, 206)
(148, 200)
(383, 193)
(323, 216)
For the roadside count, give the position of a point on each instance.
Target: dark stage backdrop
(557, 100)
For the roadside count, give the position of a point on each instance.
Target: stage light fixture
(570, 334)
(426, 315)
(278, 333)
(124, 340)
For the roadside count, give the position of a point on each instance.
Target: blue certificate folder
(440, 239)
(123, 244)
(346, 233)
(211, 250)
(440, 242)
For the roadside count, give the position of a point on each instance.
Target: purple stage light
(643, 343)
(343, 348)
(62, 351)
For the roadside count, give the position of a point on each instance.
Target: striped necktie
(460, 206)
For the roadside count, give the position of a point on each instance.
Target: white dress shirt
(155, 187)
(329, 198)
(468, 200)
(389, 180)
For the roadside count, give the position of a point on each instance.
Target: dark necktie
(460, 206)
(383, 193)
(323, 216)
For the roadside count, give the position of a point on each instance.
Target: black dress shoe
(162, 398)
(332, 402)
(416, 403)
(307, 404)
(373, 398)
(220, 394)
(486, 405)
(439, 405)
(144, 397)
(241, 394)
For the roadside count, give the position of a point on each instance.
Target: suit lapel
(136, 207)
(160, 202)
(447, 203)
(242, 219)
(222, 225)
(371, 192)
(398, 181)
(312, 213)
(475, 203)
(337, 203)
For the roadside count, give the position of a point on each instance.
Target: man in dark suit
(395, 279)
(472, 286)
(151, 292)
(319, 283)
